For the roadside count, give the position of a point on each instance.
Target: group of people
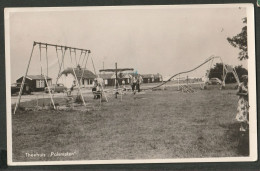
(243, 106)
(242, 117)
(136, 82)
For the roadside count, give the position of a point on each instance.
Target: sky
(150, 40)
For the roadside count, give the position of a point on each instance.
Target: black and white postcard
(130, 84)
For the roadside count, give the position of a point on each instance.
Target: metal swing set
(63, 50)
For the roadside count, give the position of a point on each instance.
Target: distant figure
(138, 83)
(243, 105)
(243, 117)
(123, 85)
(96, 90)
(205, 80)
(133, 81)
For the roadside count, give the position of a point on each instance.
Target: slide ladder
(187, 89)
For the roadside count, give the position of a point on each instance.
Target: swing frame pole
(62, 62)
(77, 82)
(48, 44)
(47, 61)
(81, 80)
(236, 75)
(49, 92)
(47, 74)
(85, 65)
(23, 81)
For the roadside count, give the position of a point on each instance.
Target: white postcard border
(252, 87)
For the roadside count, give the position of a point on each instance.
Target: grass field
(153, 124)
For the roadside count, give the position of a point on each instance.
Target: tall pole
(116, 80)
(179, 82)
(49, 92)
(21, 88)
(47, 61)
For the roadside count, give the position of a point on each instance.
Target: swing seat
(97, 94)
(70, 101)
(68, 92)
(118, 91)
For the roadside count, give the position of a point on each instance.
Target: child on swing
(96, 90)
(71, 88)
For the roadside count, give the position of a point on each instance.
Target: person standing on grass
(138, 83)
(94, 88)
(243, 106)
(133, 81)
(123, 85)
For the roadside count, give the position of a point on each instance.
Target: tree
(217, 72)
(241, 71)
(240, 41)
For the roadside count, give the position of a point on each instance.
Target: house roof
(126, 75)
(157, 75)
(147, 75)
(134, 74)
(78, 72)
(106, 76)
(118, 70)
(37, 77)
(113, 76)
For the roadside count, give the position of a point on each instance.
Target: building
(148, 78)
(123, 76)
(110, 78)
(84, 76)
(35, 82)
(127, 78)
(158, 78)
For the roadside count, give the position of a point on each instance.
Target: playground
(171, 119)
(149, 125)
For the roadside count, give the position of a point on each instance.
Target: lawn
(150, 125)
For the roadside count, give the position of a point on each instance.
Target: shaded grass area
(154, 124)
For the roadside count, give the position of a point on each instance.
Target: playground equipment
(226, 69)
(185, 86)
(187, 89)
(229, 69)
(63, 50)
(116, 70)
(100, 91)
